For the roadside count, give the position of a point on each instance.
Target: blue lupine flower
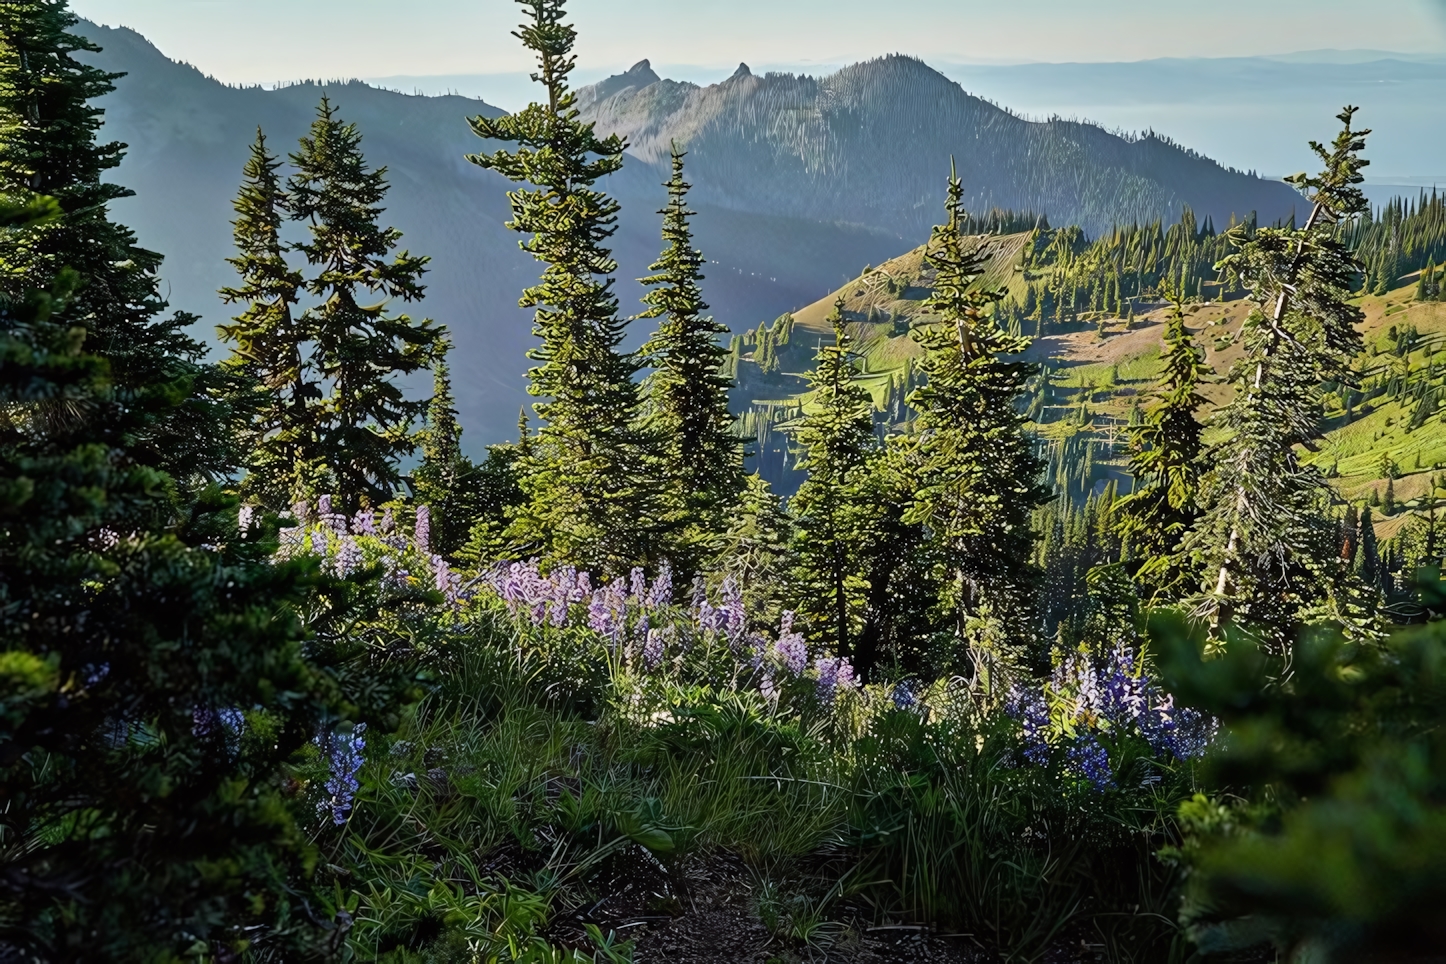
(733, 617)
(903, 695)
(653, 649)
(422, 529)
(639, 587)
(1088, 759)
(792, 652)
(661, 594)
(344, 755)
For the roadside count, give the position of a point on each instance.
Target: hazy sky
(265, 41)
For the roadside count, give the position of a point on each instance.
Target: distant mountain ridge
(872, 143)
(781, 221)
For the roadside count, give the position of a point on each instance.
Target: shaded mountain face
(873, 143)
(786, 213)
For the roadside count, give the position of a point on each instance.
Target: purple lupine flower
(734, 619)
(422, 529)
(245, 516)
(1029, 708)
(640, 628)
(323, 506)
(389, 522)
(301, 511)
(709, 619)
(653, 649)
(639, 587)
(785, 623)
(364, 523)
(847, 678)
(583, 588)
(661, 594)
(349, 557)
(903, 696)
(792, 651)
(318, 543)
(1088, 759)
(445, 580)
(344, 755)
(557, 613)
(827, 668)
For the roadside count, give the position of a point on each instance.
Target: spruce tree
(589, 500)
(446, 481)
(830, 516)
(978, 477)
(685, 399)
(1262, 540)
(364, 426)
(48, 146)
(267, 341)
(1164, 459)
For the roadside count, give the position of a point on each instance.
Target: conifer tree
(831, 518)
(756, 550)
(446, 481)
(363, 427)
(685, 399)
(1262, 540)
(137, 651)
(48, 146)
(1165, 449)
(978, 477)
(588, 495)
(267, 341)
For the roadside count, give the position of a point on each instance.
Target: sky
(271, 41)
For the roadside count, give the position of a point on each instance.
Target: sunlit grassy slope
(1101, 368)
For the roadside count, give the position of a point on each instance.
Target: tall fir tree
(266, 338)
(1263, 542)
(364, 425)
(978, 477)
(1165, 460)
(589, 498)
(446, 481)
(48, 146)
(685, 399)
(830, 515)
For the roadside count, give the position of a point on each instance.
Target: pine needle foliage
(977, 474)
(587, 492)
(1263, 543)
(685, 399)
(1165, 459)
(838, 442)
(363, 426)
(266, 337)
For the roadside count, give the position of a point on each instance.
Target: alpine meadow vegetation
(288, 673)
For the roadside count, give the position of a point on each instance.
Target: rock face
(872, 145)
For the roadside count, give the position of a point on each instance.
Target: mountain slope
(188, 137)
(871, 143)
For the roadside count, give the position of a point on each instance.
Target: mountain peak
(742, 71)
(637, 77)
